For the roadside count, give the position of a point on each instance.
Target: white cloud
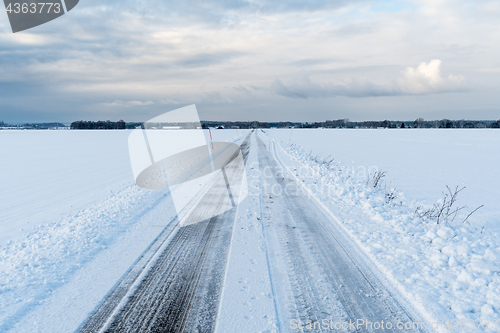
(215, 97)
(426, 78)
(129, 103)
(169, 101)
(304, 88)
(29, 39)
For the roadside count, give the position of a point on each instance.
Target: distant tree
(120, 124)
(106, 125)
(307, 125)
(285, 124)
(369, 124)
(419, 123)
(445, 123)
(460, 123)
(2, 124)
(339, 123)
(495, 124)
(402, 125)
(386, 123)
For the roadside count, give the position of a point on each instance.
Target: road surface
(315, 272)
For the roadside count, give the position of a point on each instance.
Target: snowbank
(449, 271)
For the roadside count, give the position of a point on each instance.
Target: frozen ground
(45, 175)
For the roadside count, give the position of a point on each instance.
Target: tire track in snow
(317, 276)
(181, 289)
(272, 276)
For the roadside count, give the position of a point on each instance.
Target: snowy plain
(88, 222)
(420, 162)
(45, 174)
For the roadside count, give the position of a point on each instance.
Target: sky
(266, 60)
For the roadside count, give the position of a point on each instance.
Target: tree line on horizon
(345, 123)
(34, 125)
(97, 125)
(339, 123)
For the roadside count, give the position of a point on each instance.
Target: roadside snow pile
(451, 271)
(33, 267)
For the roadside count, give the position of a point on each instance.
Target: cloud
(215, 97)
(425, 79)
(207, 8)
(310, 62)
(169, 101)
(300, 5)
(248, 53)
(121, 103)
(304, 88)
(207, 59)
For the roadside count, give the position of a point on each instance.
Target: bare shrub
(446, 210)
(327, 161)
(375, 179)
(391, 195)
(475, 210)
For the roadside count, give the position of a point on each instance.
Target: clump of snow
(492, 255)
(484, 266)
(446, 232)
(466, 277)
(449, 271)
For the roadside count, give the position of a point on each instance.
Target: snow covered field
(47, 174)
(72, 222)
(420, 163)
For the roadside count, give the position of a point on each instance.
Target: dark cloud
(299, 5)
(203, 7)
(207, 59)
(310, 62)
(304, 89)
(218, 12)
(421, 80)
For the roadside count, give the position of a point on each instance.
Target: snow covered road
(176, 284)
(320, 277)
(318, 280)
